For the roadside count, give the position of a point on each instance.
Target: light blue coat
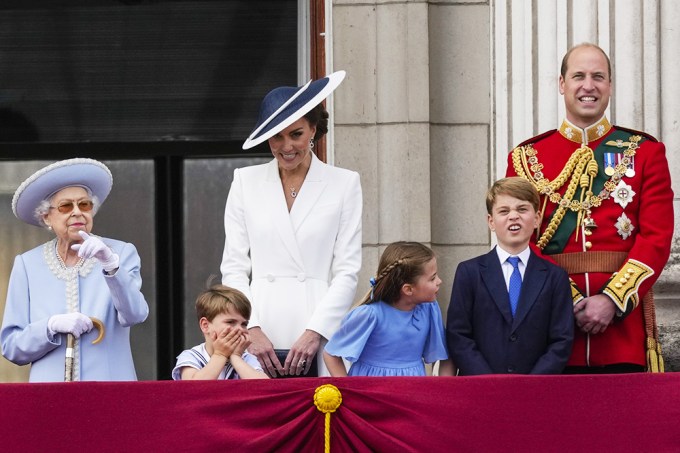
(36, 292)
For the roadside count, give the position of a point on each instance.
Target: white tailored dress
(298, 269)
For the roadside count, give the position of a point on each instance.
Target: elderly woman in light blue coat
(58, 287)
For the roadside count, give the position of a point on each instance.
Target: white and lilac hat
(283, 106)
(49, 180)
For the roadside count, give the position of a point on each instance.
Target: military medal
(627, 162)
(630, 171)
(624, 226)
(623, 194)
(609, 163)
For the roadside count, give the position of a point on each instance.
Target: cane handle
(100, 327)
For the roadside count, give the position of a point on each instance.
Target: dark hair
(513, 186)
(218, 299)
(401, 263)
(318, 117)
(565, 60)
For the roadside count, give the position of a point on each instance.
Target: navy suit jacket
(482, 335)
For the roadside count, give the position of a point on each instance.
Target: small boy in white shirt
(223, 315)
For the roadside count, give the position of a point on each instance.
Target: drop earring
(311, 144)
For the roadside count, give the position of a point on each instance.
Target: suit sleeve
(459, 326)
(125, 286)
(236, 265)
(346, 263)
(561, 329)
(23, 340)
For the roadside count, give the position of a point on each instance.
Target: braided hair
(401, 263)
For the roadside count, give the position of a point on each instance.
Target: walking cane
(70, 344)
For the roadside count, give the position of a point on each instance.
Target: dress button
(270, 277)
(513, 337)
(511, 369)
(302, 277)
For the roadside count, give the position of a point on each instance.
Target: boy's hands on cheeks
(226, 341)
(242, 345)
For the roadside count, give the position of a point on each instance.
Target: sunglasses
(67, 206)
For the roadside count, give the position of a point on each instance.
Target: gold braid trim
(582, 168)
(575, 167)
(576, 295)
(624, 285)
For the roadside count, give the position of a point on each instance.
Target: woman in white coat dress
(293, 233)
(55, 288)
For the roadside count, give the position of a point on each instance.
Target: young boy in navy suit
(510, 310)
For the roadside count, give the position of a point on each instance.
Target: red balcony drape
(494, 413)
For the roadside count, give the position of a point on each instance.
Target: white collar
(523, 255)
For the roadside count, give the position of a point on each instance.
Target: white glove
(93, 246)
(73, 323)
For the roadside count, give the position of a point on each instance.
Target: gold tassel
(327, 399)
(654, 358)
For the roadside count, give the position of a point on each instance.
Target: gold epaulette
(624, 285)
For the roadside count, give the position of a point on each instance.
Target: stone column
(382, 118)
(460, 119)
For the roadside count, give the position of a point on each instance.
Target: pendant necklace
(293, 193)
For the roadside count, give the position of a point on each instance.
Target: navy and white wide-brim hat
(49, 180)
(283, 106)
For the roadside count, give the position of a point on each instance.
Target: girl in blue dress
(398, 325)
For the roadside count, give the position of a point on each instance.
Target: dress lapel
(311, 190)
(278, 211)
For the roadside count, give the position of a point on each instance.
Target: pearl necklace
(70, 275)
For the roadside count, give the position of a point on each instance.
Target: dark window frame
(168, 158)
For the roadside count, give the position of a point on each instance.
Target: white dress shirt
(507, 267)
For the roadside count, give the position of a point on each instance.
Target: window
(164, 93)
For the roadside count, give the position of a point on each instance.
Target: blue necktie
(515, 286)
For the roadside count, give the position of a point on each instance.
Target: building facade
(437, 92)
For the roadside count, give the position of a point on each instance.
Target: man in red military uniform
(607, 218)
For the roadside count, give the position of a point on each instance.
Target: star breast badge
(623, 194)
(624, 226)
